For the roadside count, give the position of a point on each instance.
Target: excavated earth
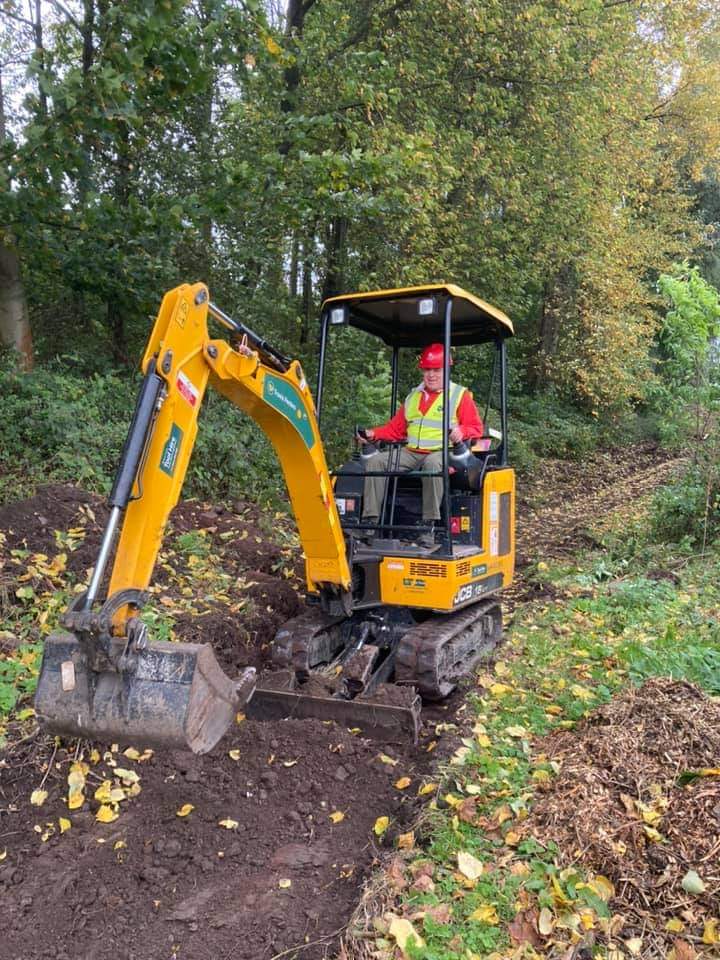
(256, 866)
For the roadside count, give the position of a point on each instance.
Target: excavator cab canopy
(416, 316)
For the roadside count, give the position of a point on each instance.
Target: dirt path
(258, 868)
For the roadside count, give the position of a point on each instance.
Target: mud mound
(638, 799)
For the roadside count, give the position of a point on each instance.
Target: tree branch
(63, 9)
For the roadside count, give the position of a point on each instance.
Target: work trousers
(404, 459)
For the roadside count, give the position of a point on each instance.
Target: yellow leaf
(131, 753)
(228, 824)
(289, 763)
(469, 866)
(403, 933)
(76, 798)
(427, 788)
(554, 710)
(602, 887)
(512, 838)
(117, 795)
(503, 813)
(272, 47)
(3, 854)
(652, 834)
(710, 933)
(128, 776)
(381, 825)
(284, 884)
(484, 740)
(675, 926)
(38, 797)
(384, 758)
(337, 817)
(102, 794)
(119, 845)
(239, 718)
(518, 732)
(184, 810)
(501, 668)
(406, 841)
(581, 693)
(94, 756)
(64, 824)
(485, 914)
(402, 783)
(234, 754)
(500, 689)
(106, 814)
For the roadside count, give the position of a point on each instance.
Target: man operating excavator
(419, 421)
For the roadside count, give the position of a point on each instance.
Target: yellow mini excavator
(388, 620)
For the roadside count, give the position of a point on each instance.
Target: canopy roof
(392, 315)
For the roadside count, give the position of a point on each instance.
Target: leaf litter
(626, 760)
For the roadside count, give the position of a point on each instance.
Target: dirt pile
(637, 800)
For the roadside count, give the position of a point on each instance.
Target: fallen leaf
(442, 913)
(184, 810)
(75, 800)
(710, 933)
(675, 925)
(545, 922)
(3, 854)
(522, 928)
(381, 825)
(403, 932)
(284, 884)
(406, 841)
(427, 788)
(402, 783)
(38, 797)
(234, 754)
(634, 945)
(337, 817)
(131, 753)
(228, 824)
(692, 883)
(64, 824)
(384, 758)
(469, 866)
(289, 763)
(106, 814)
(127, 776)
(424, 884)
(485, 914)
(119, 845)
(683, 950)
(517, 732)
(102, 794)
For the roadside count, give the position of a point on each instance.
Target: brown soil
(152, 884)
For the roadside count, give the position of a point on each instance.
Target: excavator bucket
(167, 695)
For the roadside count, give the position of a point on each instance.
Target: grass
(610, 624)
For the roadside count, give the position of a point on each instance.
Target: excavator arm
(273, 392)
(102, 677)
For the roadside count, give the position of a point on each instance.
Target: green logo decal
(479, 570)
(171, 450)
(284, 397)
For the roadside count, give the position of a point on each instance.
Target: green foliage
(687, 399)
(68, 428)
(18, 677)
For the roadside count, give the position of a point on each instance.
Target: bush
(63, 427)
(687, 510)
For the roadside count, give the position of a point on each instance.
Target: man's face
(433, 379)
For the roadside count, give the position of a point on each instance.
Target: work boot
(428, 539)
(369, 534)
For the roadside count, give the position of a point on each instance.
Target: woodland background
(559, 158)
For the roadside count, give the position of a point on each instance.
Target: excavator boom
(101, 677)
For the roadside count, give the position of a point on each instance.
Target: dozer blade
(168, 695)
(375, 719)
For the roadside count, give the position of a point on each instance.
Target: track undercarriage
(372, 669)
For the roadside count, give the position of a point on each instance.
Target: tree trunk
(14, 318)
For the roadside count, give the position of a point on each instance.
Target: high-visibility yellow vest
(424, 430)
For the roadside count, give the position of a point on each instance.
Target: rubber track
(420, 651)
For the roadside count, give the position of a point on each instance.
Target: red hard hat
(432, 357)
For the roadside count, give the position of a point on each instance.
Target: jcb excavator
(388, 621)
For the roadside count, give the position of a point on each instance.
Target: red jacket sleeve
(468, 417)
(394, 430)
